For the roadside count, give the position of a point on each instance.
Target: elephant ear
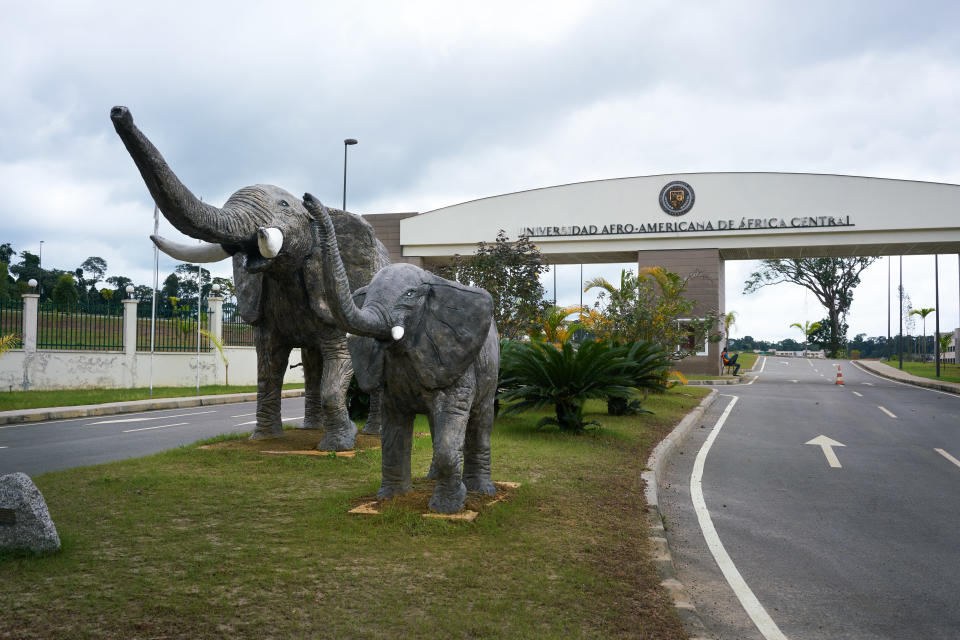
(249, 287)
(367, 357)
(362, 254)
(453, 327)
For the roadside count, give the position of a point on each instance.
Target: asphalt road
(37, 447)
(860, 541)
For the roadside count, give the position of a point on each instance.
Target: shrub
(536, 374)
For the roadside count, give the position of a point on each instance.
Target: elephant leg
(476, 448)
(450, 415)
(396, 439)
(272, 358)
(312, 377)
(432, 473)
(339, 430)
(375, 418)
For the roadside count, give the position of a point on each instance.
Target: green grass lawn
(230, 543)
(746, 360)
(12, 400)
(948, 372)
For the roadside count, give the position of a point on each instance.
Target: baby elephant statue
(432, 344)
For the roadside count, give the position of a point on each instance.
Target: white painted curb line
(694, 625)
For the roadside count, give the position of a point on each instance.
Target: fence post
(215, 316)
(130, 326)
(30, 307)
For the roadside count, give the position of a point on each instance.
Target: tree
(923, 313)
(227, 288)
(807, 329)
(119, 285)
(4, 282)
(168, 290)
(553, 325)
(510, 271)
(94, 268)
(6, 252)
(650, 306)
(729, 321)
(832, 281)
(188, 283)
(65, 291)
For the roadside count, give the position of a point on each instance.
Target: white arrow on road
(827, 445)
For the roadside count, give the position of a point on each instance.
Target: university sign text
(687, 226)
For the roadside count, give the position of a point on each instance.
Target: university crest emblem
(676, 198)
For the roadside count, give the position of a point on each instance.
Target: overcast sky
(455, 101)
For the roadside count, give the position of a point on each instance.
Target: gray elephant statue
(431, 345)
(267, 232)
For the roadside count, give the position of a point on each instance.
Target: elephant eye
(410, 293)
(284, 203)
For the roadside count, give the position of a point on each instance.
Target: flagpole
(198, 327)
(156, 281)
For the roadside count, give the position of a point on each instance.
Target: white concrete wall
(50, 370)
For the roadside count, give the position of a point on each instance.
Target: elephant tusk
(397, 332)
(269, 241)
(203, 252)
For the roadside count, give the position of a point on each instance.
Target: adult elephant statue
(267, 232)
(431, 345)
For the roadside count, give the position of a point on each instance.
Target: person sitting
(730, 362)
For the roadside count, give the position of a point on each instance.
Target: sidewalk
(897, 375)
(132, 406)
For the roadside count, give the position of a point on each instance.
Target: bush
(535, 374)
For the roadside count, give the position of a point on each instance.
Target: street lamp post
(346, 143)
(40, 275)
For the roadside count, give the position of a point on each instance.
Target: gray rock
(24, 519)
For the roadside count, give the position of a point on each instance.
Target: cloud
(452, 102)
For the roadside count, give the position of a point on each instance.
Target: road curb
(132, 406)
(662, 557)
(897, 376)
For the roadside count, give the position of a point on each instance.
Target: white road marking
(858, 394)
(886, 411)
(953, 395)
(810, 362)
(178, 415)
(162, 426)
(748, 600)
(38, 424)
(940, 451)
(784, 363)
(763, 364)
(793, 381)
(244, 415)
(827, 444)
(3, 447)
(243, 424)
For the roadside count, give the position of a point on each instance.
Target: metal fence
(175, 330)
(236, 332)
(77, 326)
(11, 320)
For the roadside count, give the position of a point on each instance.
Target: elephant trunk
(183, 209)
(368, 321)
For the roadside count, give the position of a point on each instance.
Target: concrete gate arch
(694, 221)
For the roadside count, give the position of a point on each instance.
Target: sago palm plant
(537, 374)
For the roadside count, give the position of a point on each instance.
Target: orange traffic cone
(839, 375)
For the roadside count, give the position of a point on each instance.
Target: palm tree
(923, 313)
(729, 321)
(8, 342)
(808, 328)
(552, 326)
